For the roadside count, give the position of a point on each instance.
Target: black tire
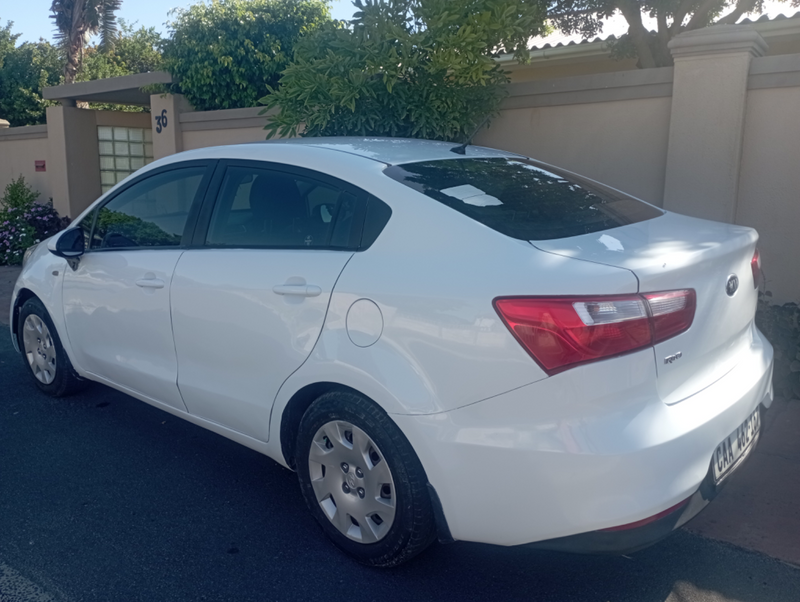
(64, 380)
(413, 527)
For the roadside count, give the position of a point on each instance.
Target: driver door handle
(297, 290)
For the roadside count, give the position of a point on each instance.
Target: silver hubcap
(352, 482)
(39, 349)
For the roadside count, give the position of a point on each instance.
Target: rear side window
(521, 199)
(273, 209)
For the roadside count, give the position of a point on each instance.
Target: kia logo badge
(732, 285)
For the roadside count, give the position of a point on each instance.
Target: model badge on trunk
(732, 285)
(671, 358)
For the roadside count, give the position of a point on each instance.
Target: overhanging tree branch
(742, 7)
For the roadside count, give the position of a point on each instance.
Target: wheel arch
(24, 295)
(295, 408)
(293, 413)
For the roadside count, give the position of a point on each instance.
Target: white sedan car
(460, 343)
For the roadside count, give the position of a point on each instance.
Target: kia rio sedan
(452, 343)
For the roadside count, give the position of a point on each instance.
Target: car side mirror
(70, 245)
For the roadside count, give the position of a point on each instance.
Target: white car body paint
(596, 446)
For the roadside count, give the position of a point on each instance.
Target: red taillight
(672, 313)
(755, 265)
(562, 332)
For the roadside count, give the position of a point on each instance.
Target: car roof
(390, 151)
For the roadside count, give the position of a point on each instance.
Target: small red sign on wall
(40, 166)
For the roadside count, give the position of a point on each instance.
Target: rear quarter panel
(434, 273)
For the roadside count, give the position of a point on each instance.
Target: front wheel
(43, 352)
(362, 480)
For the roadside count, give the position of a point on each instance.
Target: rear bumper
(632, 538)
(557, 462)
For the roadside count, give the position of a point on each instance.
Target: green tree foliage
(414, 68)
(134, 51)
(673, 17)
(75, 21)
(24, 71)
(224, 54)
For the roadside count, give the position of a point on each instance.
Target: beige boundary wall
(214, 128)
(20, 148)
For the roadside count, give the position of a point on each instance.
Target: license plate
(735, 445)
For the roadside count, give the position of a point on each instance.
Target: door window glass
(265, 208)
(151, 213)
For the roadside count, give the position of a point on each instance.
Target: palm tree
(76, 21)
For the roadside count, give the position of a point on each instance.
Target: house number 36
(161, 121)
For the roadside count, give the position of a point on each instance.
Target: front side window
(266, 208)
(521, 198)
(151, 213)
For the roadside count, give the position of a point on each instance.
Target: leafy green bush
(24, 222)
(223, 55)
(412, 68)
(24, 71)
(781, 325)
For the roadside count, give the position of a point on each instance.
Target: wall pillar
(74, 161)
(707, 120)
(165, 110)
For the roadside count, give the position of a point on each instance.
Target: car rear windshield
(522, 199)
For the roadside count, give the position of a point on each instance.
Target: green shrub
(18, 196)
(24, 222)
(410, 68)
(781, 325)
(223, 55)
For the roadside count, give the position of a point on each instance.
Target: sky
(32, 17)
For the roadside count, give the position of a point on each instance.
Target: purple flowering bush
(24, 222)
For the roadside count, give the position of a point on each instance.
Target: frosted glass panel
(118, 157)
(106, 188)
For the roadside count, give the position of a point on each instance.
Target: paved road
(103, 498)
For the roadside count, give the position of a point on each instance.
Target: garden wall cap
(718, 39)
(116, 90)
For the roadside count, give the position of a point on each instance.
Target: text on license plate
(735, 445)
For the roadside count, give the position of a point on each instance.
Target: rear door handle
(150, 283)
(297, 290)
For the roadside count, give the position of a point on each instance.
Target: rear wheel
(43, 353)
(362, 481)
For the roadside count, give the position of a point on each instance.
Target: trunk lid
(677, 252)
